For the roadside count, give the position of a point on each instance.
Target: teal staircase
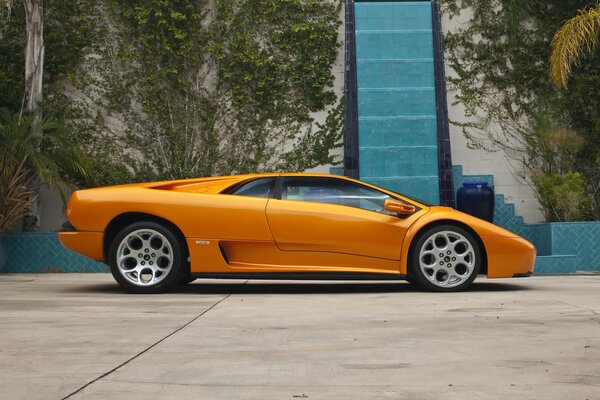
(551, 258)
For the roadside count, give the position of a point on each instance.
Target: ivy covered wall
(164, 89)
(508, 117)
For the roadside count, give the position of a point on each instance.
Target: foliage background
(500, 60)
(164, 89)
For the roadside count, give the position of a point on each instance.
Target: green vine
(164, 89)
(499, 56)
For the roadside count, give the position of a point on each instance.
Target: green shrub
(563, 196)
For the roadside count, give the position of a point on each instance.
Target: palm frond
(578, 37)
(53, 157)
(15, 195)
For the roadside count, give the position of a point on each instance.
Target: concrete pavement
(78, 336)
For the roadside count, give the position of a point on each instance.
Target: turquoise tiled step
(392, 162)
(421, 187)
(398, 131)
(459, 178)
(556, 264)
(392, 15)
(581, 239)
(397, 126)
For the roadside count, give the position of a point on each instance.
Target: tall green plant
(54, 156)
(30, 159)
(553, 157)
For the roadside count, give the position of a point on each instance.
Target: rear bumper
(88, 244)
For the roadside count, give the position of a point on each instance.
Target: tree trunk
(34, 72)
(34, 52)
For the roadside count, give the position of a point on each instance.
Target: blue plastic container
(476, 199)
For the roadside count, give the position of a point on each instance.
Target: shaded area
(222, 286)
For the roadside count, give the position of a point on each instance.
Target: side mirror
(399, 207)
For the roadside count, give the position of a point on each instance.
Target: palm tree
(34, 69)
(53, 158)
(577, 37)
(34, 48)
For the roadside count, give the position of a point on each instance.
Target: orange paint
(88, 244)
(230, 233)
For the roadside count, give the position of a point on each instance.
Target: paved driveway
(78, 336)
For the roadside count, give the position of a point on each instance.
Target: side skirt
(313, 276)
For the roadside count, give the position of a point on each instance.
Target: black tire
(174, 254)
(428, 269)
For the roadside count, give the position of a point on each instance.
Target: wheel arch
(121, 221)
(414, 236)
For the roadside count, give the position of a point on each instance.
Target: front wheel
(445, 258)
(146, 257)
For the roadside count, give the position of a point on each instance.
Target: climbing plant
(499, 57)
(163, 89)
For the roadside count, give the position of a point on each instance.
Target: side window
(257, 188)
(334, 191)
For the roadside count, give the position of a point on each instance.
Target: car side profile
(285, 226)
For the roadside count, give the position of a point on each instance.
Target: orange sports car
(285, 226)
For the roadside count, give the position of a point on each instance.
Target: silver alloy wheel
(447, 259)
(145, 257)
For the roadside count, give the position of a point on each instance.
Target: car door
(334, 215)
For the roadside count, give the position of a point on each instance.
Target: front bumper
(509, 256)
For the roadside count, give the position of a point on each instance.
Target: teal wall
(43, 252)
(397, 125)
(569, 246)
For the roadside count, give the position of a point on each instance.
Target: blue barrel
(476, 199)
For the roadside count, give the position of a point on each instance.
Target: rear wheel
(146, 257)
(445, 258)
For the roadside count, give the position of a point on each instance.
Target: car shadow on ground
(250, 287)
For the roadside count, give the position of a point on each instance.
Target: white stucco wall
(338, 88)
(474, 162)
(52, 214)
